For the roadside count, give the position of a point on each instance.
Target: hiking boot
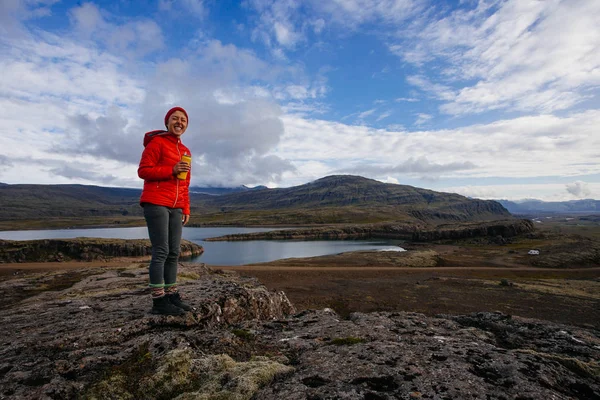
(175, 299)
(162, 305)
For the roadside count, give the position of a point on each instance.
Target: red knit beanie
(171, 111)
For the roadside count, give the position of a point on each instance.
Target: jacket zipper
(176, 178)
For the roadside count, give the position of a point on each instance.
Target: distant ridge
(537, 206)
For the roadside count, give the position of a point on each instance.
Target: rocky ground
(87, 334)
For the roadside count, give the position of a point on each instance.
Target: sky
(490, 99)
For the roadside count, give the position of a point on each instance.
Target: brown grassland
(455, 278)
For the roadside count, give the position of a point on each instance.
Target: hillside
(40, 201)
(333, 199)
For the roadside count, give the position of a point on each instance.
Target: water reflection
(257, 251)
(220, 253)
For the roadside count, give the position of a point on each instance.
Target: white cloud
(422, 119)
(514, 192)
(49, 68)
(135, 38)
(365, 114)
(183, 7)
(395, 128)
(82, 102)
(288, 23)
(14, 12)
(384, 115)
(407, 99)
(279, 24)
(579, 189)
(390, 179)
(284, 35)
(518, 148)
(521, 55)
(356, 12)
(480, 192)
(440, 91)
(87, 18)
(94, 88)
(318, 25)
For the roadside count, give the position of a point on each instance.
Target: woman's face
(177, 123)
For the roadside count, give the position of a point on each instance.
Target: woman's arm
(149, 168)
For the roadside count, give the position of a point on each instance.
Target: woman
(166, 203)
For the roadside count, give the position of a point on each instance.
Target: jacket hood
(152, 134)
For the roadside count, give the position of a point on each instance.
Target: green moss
(586, 369)
(188, 276)
(243, 334)
(225, 379)
(173, 376)
(178, 375)
(122, 381)
(114, 387)
(347, 341)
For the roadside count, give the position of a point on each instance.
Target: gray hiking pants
(164, 228)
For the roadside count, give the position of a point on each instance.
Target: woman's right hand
(181, 167)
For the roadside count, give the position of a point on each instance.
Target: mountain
(356, 195)
(40, 201)
(537, 206)
(333, 199)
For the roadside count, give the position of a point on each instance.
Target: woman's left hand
(185, 219)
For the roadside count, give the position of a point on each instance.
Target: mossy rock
(178, 375)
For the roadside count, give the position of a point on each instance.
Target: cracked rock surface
(408, 355)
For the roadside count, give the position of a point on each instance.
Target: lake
(221, 253)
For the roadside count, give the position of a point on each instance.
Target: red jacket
(162, 151)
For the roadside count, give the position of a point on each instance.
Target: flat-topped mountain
(342, 190)
(366, 199)
(333, 199)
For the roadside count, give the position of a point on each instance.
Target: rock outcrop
(71, 342)
(410, 356)
(94, 339)
(415, 232)
(82, 249)
(502, 228)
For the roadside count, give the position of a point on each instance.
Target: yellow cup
(187, 159)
